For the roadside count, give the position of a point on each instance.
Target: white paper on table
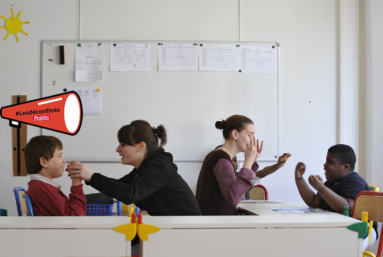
(89, 62)
(129, 57)
(258, 59)
(91, 99)
(258, 201)
(178, 56)
(299, 210)
(219, 57)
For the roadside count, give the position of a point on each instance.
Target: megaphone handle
(18, 140)
(14, 124)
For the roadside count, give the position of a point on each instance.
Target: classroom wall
(371, 85)
(308, 32)
(20, 72)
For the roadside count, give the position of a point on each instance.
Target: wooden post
(19, 141)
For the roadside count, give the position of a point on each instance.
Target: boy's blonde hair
(37, 147)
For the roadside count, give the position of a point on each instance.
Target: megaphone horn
(61, 113)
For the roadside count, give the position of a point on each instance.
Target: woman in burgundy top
(218, 189)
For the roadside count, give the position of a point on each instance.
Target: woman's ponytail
(160, 132)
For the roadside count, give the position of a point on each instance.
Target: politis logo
(41, 118)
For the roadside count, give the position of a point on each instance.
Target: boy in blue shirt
(341, 187)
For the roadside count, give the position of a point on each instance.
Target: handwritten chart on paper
(219, 57)
(258, 59)
(129, 57)
(89, 62)
(178, 57)
(91, 100)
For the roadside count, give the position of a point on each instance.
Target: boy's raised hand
(78, 170)
(316, 182)
(69, 165)
(75, 181)
(300, 170)
(283, 159)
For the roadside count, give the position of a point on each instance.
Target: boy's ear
(346, 167)
(43, 162)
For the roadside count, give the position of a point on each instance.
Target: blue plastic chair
(24, 204)
(29, 205)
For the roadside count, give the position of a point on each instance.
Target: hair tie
(155, 131)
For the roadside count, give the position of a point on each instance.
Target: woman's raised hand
(251, 152)
(78, 170)
(259, 150)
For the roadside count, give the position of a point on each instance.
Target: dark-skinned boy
(342, 185)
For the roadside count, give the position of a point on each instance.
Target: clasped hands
(78, 170)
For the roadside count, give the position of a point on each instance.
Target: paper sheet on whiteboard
(89, 62)
(258, 59)
(178, 57)
(219, 57)
(91, 99)
(129, 57)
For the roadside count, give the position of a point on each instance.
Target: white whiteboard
(187, 103)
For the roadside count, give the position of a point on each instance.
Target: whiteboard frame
(100, 159)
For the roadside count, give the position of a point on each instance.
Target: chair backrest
(21, 202)
(259, 192)
(29, 205)
(372, 203)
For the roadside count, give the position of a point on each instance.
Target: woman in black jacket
(154, 184)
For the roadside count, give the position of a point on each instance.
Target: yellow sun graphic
(14, 25)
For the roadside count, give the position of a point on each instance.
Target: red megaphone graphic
(61, 113)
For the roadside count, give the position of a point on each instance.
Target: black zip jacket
(155, 187)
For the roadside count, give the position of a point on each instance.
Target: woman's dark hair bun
(161, 134)
(160, 131)
(220, 124)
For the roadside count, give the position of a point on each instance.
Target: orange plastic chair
(259, 192)
(372, 203)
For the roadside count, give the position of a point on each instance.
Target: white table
(62, 236)
(269, 234)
